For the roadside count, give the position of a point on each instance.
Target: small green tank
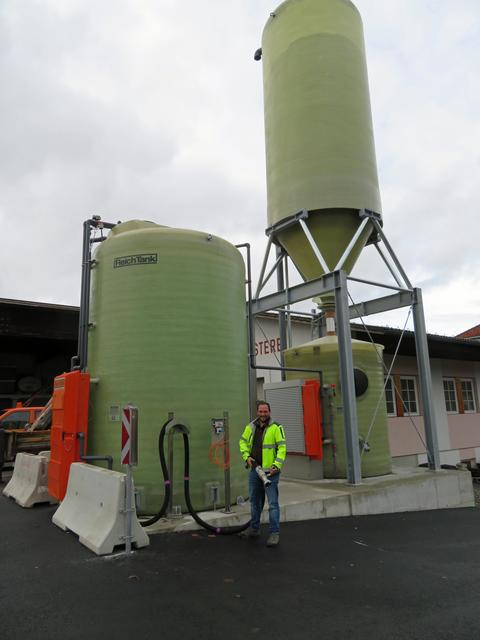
(168, 334)
(323, 354)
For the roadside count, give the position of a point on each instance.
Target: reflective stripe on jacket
(274, 449)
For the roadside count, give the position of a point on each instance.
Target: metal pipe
(171, 433)
(351, 244)
(128, 509)
(84, 356)
(107, 459)
(80, 360)
(252, 379)
(226, 462)
(315, 248)
(81, 317)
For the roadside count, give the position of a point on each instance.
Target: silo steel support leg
(282, 325)
(354, 468)
(425, 374)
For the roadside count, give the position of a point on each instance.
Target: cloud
(154, 110)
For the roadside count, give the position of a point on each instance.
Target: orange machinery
(69, 419)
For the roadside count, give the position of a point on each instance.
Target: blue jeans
(257, 492)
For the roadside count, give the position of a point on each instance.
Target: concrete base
(404, 490)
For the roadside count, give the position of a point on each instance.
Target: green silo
(320, 157)
(371, 409)
(168, 334)
(320, 151)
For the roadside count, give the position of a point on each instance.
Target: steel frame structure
(336, 280)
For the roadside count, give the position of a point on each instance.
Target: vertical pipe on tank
(252, 374)
(84, 298)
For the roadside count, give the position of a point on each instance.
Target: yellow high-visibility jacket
(274, 449)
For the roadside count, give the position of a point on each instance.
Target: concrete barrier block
(94, 509)
(29, 482)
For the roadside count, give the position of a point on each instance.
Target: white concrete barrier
(94, 509)
(29, 482)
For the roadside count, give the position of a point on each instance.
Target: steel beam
(380, 305)
(300, 292)
(282, 325)
(354, 469)
(425, 376)
(314, 246)
(351, 244)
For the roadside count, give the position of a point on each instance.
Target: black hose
(166, 500)
(186, 486)
(222, 531)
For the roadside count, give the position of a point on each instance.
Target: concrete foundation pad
(405, 489)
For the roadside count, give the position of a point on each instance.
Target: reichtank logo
(129, 261)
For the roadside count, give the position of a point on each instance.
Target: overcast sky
(153, 109)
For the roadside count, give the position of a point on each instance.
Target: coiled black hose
(225, 531)
(168, 490)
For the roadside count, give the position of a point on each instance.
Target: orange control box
(312, 419)
(71, 392)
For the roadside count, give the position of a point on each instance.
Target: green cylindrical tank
(323, 354)
(320, 151)
(168, 335)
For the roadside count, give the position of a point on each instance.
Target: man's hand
(250, 462)
(273, 470)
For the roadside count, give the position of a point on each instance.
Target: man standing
(263, 444)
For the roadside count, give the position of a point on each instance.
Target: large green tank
(323, 354)
(318, 128)
(169, 334)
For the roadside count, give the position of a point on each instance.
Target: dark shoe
(273, 540)
(250, 533)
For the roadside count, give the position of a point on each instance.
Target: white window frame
(394, 398)
(472, 389)
(457, 409)
(415, 391)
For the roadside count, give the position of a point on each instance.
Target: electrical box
(297, 405)
(71, 392)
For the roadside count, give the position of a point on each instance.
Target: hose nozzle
(263, 476)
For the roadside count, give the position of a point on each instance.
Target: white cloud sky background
(153, 109)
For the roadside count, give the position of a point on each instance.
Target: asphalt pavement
(395, 577)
